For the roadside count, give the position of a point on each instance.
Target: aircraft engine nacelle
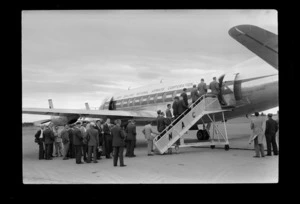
(62, 120)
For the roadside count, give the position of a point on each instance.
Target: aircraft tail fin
(260, 41)
(50, 103)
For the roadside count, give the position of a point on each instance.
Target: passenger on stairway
(181, 106)
(214, 86)
(175, 107)
(194, 94)
(185, 97)
(202, 88)
(168, 111)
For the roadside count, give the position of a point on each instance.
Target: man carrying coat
(49, 139)
(77, 142)
(93, 143)
(118, 142)
(256, 125)
(131, 138)
(270, 132)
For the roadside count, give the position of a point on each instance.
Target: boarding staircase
(206, 104)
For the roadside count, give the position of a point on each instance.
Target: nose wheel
(227, 147)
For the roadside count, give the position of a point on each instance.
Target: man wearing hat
(118, 143)
(92, 142)
(270, 132)
(185, 97)
(77, 142)
(49, 139)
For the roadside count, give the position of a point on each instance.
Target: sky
(75, 57)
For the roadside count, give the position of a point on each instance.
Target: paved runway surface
(191, 165)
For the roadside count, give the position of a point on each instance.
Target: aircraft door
(227, 89)
(112, 104)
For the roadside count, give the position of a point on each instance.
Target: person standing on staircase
(202, 88)
(185, 97)
(214, 86)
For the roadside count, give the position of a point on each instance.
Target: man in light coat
(92, 137)
(194, 94)
(202, 88)
(84, 141)
(149, 135)
(57, 142)
(257, 127)
(65, 140)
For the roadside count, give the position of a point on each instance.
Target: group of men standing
(257, 125)
(87, 140)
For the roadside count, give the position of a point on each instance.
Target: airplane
(251, 86)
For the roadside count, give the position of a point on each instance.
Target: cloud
(78, 56)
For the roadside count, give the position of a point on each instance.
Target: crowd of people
(86, 141)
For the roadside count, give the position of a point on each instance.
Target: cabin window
(125, 103)
(130, 102)
(144, 100)
(168, 96)
(152, 98)
(137, 101)
(118, 104)
(159, 98)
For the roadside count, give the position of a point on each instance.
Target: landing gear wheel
(227, 147)
(170, 151)
(212, 146)
(200, 135)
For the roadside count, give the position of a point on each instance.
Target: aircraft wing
(262, 42)
(90, 113)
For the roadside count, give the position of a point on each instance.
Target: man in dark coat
(215, 89)
(160, 123)
(49, 139)
(71, 146)
(98, 127)
(175, 107)
(131, 138)
(185, 97)
(39, 139)
(77, 142)
(108, 138)
(181, 106)
(92, 142)
(270, 133)
(118, 142)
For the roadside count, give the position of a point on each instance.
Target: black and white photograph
(162, 96)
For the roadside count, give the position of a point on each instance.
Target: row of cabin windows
(150, 99)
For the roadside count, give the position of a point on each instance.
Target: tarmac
(190, 165)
